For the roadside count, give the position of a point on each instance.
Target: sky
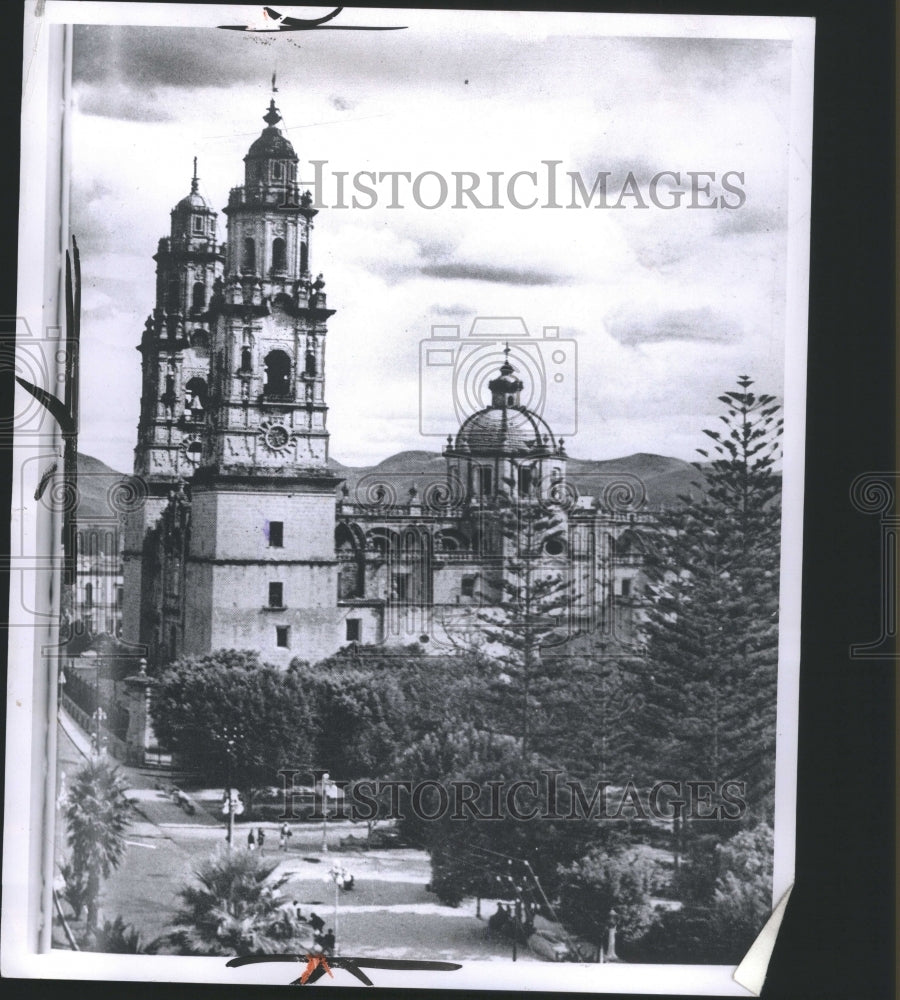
(658, 311)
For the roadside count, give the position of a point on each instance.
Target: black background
(838, 936)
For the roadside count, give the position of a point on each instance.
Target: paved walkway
(389, 913)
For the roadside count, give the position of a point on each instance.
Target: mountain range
(661, 480)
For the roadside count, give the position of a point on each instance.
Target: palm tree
(235, 910)
(96, 816)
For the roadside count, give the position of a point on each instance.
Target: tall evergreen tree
(527, 600)
(593, 718)
(712, 630)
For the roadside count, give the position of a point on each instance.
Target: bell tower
(261, 569)
(174, 350)
(175, 343)
(268, 360)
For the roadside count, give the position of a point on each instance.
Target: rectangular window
(525, 480)
(198, 224)
(467, 588)
(354, 629)
(626, 586)
(276, 595)
(282, 636)
(276, 534)
(401, 586)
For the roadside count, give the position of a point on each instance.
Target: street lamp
(230, 736)
(325, 813)
(99, 718)
(337, 877)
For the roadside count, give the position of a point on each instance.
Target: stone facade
(247, 539)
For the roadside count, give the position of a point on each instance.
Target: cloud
(632, 328)
(751, 219)
(163, 57)
(123, 103)
(719, 62)
(341, 103)
(460, 271)
(455, 309)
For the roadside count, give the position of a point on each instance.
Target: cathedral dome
(505, 430)
(192, 202)
(272, 144)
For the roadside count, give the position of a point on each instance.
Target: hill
(662, 479)
(94, 483)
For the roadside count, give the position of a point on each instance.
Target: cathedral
(248, 539)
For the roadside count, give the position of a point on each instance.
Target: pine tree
(712, 631)
(593, 718)
(526, 601)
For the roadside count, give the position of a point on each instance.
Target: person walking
(251, 840)
(261, 838)
(283, 835)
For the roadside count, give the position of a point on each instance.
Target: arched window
(246, 360)
(198, 300)
(279, 258)
(88, 595)
(248, 262)
(278, 374)
(277, 170)
(304, 257)
(310, 364)
(197, 394)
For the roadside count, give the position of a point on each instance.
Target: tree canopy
(229, 714)
(712, 620)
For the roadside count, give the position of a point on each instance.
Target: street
(388, 914)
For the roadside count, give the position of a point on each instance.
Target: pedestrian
(316, 922)
(261, 837)
(251, 840)
(328, 942)
(283, 836)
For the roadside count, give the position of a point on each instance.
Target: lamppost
(337, 877)
(230, 735)
(325, 812)
(99, 718)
